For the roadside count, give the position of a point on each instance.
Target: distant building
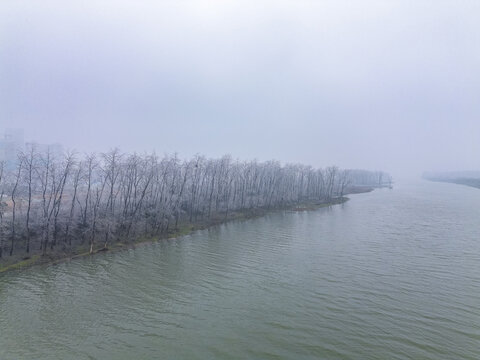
(11, 143)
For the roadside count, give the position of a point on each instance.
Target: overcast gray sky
(391, 85)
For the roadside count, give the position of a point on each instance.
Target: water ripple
(388, 275)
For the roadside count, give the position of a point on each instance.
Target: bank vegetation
(64, 204)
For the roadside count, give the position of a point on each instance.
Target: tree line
(54, 202)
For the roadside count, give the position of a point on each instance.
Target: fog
(390, 85)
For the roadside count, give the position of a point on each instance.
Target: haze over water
(379, 85)
(392, 274)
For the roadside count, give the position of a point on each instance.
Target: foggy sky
(391, 85)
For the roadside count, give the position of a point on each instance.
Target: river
(391, 274)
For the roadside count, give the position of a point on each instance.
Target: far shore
(472, 182)
(18, 263)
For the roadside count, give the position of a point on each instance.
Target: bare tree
(76, 180)
(14, 203)
(121, 197)
(29, 162)
(344, 181)
(3, 205)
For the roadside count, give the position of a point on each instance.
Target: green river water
(392, 274)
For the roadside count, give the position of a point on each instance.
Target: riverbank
(472, 182)
(19, 262)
